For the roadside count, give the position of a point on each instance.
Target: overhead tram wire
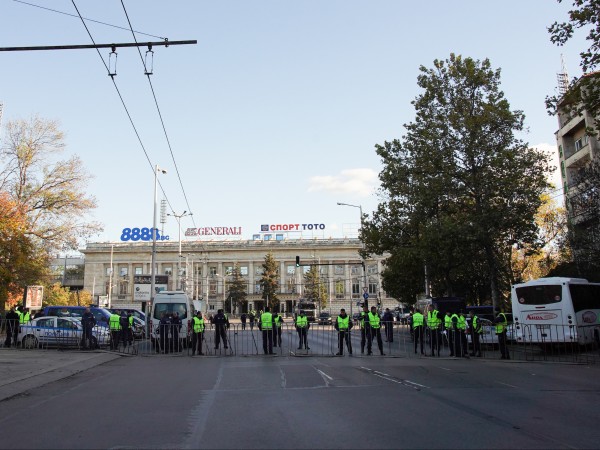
(159, 114)
(123, 103)
(85, 18)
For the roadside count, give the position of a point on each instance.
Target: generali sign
(214, 231)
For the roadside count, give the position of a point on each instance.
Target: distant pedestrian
(266, 325)
(197, 333)
(302, 327)
(88, 322)
(221, 326)
(388, 325)
(343, 324)
(12, 328)
(252, 319)
(278, 321)
(243, 318)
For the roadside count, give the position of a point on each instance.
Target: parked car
(325, 319)
(58, 332)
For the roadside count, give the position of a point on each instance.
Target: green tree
(237, 287)
(50, 192)
(459, 189)
(269, 281)
(56, 295)
(314, 288)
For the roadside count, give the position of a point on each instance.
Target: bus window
(539, 295)
(585, 296)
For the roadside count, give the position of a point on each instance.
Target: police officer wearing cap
(343, 324)
(266, 324)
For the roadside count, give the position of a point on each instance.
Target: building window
(372, 269)
(291, 286)
(258, 270)
(256, 237)
(291, 270)
(279, 237)
(123, 271)
(355, 289)
(212, 289)
(123, 287)
(108, 271)
(560, 150)
(212, 270)
(257, 289)
(356, 270)
(372, 288)
(305, 269)
(339, 270)
(168, 270)
(339, 289)
(578, 144)
(138, 270)
(228, 271)
(268, 237)
(244, 271)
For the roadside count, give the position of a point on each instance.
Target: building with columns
(119, 272)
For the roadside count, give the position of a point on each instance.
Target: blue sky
(273, 116)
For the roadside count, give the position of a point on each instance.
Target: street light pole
(366, 286)
(153, 258)
(178, 217)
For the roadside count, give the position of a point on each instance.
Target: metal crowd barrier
(560, 343)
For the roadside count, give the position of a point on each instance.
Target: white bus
(556, 310)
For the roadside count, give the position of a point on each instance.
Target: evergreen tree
(269, 281)
(315, 289)
(237, 288)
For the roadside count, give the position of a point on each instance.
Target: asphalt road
(309, 402)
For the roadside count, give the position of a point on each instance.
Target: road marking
(445, 368)
(325, 375)
(506, 384)
(385, 376)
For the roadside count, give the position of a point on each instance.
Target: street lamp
(178, 217)
(154, 230)
(366, 286)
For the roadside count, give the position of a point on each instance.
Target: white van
(170, 302)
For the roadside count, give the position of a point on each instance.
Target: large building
(579, 152)
(119, 272)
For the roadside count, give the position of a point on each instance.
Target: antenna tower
(563, 77)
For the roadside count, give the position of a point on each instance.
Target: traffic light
(297, 261)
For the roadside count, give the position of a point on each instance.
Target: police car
(58, 332)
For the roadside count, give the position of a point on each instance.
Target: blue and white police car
(58, 332)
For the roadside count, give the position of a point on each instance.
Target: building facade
(118, 273)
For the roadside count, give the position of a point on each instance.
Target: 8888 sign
(141, 234)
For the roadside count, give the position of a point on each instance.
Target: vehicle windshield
(585, 296)
(542, 294)
(170, 308)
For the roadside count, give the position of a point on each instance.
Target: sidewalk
(23, 370)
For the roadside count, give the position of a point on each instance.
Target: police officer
(266, 325)
(374, 330)
(114, 324)
(454, 340)
(501, 326)
(363, 318)
(475, 330)
(302, 327)
(417, 324)
(388, 325)
(131, 323)
(462, 334)
(124, 323)
(88, 321)
(433, 325)
(175, 329)
(221, 323)
(24, 316)
(449, 331)
(164, 329)
(12, 328)
(343, 325)
(243, 319)
(278, 320)
(252, 319)
(197, 333)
